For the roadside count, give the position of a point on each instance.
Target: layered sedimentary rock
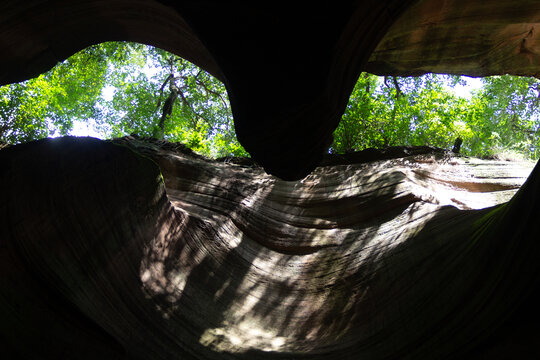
(142, 250)
(137, 250)
(475, 38)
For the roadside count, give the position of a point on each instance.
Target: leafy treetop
(125, 88)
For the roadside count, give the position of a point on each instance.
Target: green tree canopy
(117, 85)
(126, 88)
(501, 116)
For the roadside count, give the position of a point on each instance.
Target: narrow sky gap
(466, 90)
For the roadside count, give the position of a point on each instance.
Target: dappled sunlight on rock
(224, 261)
(247, 335)
(299, 245)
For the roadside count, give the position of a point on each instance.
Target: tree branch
(188, 104)
(161, 89)
(209, 91)
(398, 90)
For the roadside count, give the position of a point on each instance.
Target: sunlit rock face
(143, 250)
(471, 37)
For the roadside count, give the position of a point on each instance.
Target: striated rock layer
(470, 37)
(144, 251)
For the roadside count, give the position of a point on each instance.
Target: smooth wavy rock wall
(142, 250)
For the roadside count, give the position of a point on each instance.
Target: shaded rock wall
(35, 35)
(137, 250)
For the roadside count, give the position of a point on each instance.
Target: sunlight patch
(249, 334)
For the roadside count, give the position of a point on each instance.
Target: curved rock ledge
(137, 250)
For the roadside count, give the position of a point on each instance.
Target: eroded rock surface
(139, 250)
(470, 37)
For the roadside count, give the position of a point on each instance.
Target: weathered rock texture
(289, 67)
(476, 38)
(104, 256)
